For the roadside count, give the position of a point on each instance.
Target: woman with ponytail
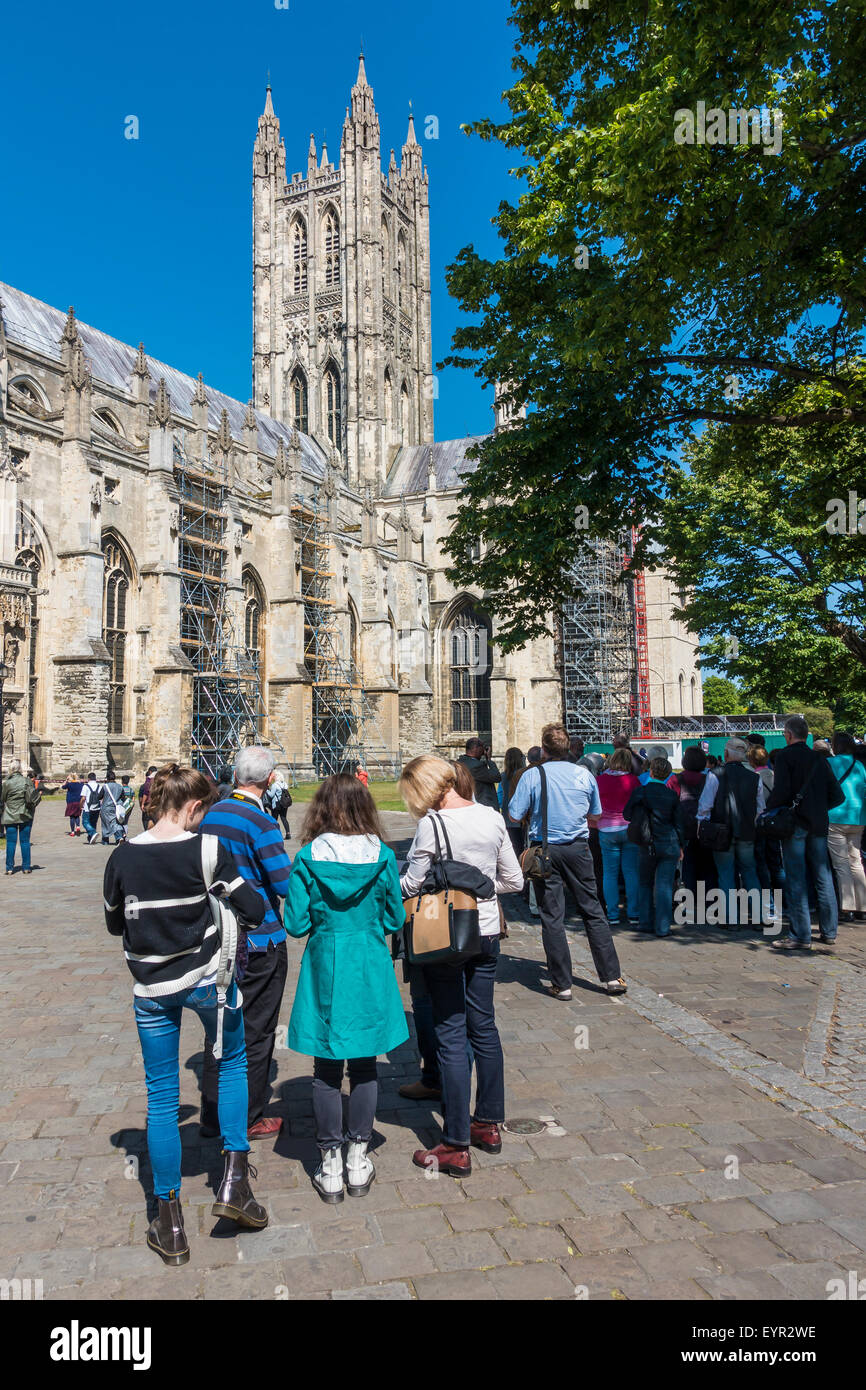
(156, 898)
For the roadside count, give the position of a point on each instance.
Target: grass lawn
(385, 794)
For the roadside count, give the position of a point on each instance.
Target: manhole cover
(524, 1126)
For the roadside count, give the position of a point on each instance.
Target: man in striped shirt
(253, 839)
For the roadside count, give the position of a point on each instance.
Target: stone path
(704, 1137)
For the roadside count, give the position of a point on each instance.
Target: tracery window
(470, 671)
(117, 577)
(299, 401)
(299, 257)
(331, 229)
(333, 406)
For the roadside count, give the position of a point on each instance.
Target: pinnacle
(410, 137)
(269, 105)
(362, 73)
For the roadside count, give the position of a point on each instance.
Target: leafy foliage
(704, 262)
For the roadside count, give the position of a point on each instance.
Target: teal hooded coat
(347, 1003)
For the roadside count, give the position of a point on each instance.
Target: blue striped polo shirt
(255, 841)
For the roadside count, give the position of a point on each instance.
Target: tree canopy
(648, 287)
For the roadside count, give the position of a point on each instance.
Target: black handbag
(640, 828)
(535, 861)
(442, 925)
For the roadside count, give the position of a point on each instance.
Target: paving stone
(662, 1225)
(311, 1273)
(597, 1201)
(788, 1207)
(261, 1282)
(667, 1192)
(807, 1281)
(534, 1207)
(660, 1258)
(402, 1261)
(481, 1214)
(533, 1243)
(274, 1243)
(610, 1169)
(813, 1240)
(385, 1293)
(588, 1235)
(459, 1285)
(527, 1282)
(720, 1188)
(348, 1233)
(743, 1250)
(605, 1275)
(739, 1214)
(744, 1285)
(468, 1250)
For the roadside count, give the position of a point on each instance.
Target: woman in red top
(615, 786)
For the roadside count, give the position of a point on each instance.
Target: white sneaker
(328, 1177)
(360, 1170)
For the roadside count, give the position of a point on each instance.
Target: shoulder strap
(210, 847)
(543, 776)
(847, 773)
(437, 817)
(802, 792)
(111, 795)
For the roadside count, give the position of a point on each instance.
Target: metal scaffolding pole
(598, 652)
(228, 707)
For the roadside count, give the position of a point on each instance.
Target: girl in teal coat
(344, 894)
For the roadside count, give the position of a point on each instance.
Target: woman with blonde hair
(462, 995)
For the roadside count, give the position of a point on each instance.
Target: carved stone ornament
(281, 462)
(96, 496)
(14, 608)
(78, 373)
(162, 404)
(11, 648)
(174, 519)
(10, 465)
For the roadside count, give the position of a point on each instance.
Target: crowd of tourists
(626, 836)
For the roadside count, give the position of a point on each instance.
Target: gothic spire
(269, 155)
(361, 80)
(200, 397)
(410, 138)
(70, 328)
(140, 368)
(363, 115)
(269, 105)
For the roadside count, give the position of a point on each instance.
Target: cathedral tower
(342, 344)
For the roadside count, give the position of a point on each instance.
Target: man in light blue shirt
(572, 801)
(572, 795)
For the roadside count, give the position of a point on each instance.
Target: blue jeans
(657, 873)
(803, 848)
(90, 820)
(422, 1009)
(617, 852)
(462, 999)
(14, 833)
(740, 857)
(158, 1022)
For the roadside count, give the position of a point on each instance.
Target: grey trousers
(328, 1100)
(573, 869)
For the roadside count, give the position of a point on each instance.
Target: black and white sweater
(156, 899)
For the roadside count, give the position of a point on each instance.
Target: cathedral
(182, 572)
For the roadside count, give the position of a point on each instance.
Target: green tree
(776, 590)
(722, 696)
(648, 286)
(818, 717)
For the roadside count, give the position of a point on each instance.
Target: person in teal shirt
(344, 896)
(845, 834)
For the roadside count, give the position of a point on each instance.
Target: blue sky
(150, 239)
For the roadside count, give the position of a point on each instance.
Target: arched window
(470, 671)
(333, 406)
(404, 415)
(331, 238)
(106, 418)
(29, 556)
(682, 684)
(254, 641)
(694, 696)
(354, 654)
(299, 256)
(389, 407)
(299, 401)
(28, 394)
(401, 268)
(386, 257)
(117, 577)
(392, 636)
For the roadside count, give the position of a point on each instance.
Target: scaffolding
(228, 707)
(345, 730)
(599, 647)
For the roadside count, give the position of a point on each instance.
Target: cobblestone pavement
(704, 1137)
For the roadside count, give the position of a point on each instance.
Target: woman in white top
(462, 995)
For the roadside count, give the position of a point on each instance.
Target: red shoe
(485, 1136)
(268, 1127)
(444, 1159)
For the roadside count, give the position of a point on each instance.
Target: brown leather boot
(235, 1196)
(485, 1136)
(165, 1234)
(444, 1159)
